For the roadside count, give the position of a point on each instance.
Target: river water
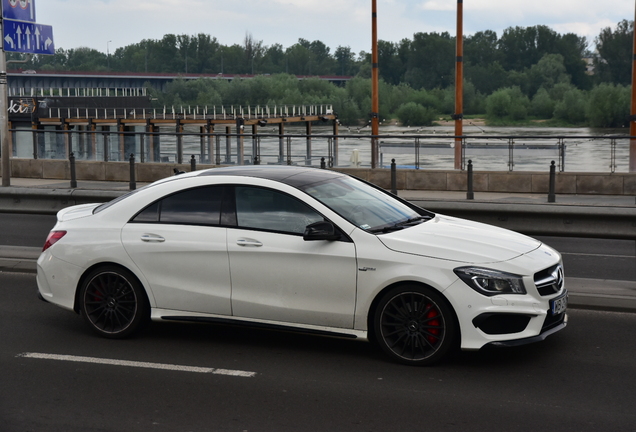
(430, 148)
(489, 148)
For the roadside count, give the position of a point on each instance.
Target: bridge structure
(31, 82)
(104, 124)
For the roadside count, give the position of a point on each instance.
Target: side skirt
(264, 325)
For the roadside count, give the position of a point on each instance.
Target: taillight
(52, 238)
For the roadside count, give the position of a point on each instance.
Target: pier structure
(107, 132)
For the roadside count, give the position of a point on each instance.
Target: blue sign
(22, 10)
(26, 37)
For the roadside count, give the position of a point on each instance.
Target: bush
(608, 106)
(542, 105)
(572, 108)
(413, 114)
(508, 102)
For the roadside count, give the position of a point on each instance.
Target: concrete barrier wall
(409, 179)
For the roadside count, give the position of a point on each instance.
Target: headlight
(491, 282)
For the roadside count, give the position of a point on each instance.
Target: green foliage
(609, 106)
(614, 63)
(527, 71)
(509, 103)
(572, 108)
(413, 114)
(542, 105)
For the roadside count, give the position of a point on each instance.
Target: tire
(414, 325)
(113, 303)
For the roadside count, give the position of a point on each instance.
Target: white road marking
(598, 255)
(147, 365)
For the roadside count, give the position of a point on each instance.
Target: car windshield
(364, 206)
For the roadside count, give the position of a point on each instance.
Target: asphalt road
(585, 258)
(579, 379)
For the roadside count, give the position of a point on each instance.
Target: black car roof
(292, 175)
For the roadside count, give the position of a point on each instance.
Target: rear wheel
(112, 302)
(414, 325)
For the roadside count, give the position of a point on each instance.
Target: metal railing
(193, 112)
(488, 153)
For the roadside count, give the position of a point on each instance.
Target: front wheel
(112, 302)
(414, 325)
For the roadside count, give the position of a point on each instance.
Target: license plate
(559, 304)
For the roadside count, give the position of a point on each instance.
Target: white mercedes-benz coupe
(301, 249)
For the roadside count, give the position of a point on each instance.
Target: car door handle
(152, 238)
(248, 242)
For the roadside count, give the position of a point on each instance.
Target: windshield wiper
(413, 221)
(400, 225)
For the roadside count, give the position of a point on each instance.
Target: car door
(278, 276)
(180, 247)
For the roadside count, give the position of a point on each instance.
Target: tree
(431, 62)
(608, 106)
(481, 48)
(412, 114)
(615, 53)
(572, 108)
(549, 71)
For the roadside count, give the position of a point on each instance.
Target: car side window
(270, 210)
(197, 206)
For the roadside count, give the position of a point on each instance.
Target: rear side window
(197, 206)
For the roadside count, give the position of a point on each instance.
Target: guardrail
(607, 153)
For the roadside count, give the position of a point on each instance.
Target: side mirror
(322, 230)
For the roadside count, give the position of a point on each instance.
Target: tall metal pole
(459, 85)
(375, 78)
(4, 113)
(632, 121)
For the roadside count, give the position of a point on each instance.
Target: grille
(549, 281)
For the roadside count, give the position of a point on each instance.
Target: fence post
(193, 163)
(323, 165)
(470, 194)
(551, 195)
(71, 159)
(393, 177)
(133, 181)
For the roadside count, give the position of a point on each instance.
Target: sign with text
(22, 10)
(26, 37)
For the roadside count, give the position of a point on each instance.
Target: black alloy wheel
(414, 325)
(113, 303)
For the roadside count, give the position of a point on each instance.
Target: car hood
(75, 212)
(460, 240)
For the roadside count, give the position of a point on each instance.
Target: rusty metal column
(459, 85)
(632, 119)
(375, 100)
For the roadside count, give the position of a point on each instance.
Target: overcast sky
(93, 23)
